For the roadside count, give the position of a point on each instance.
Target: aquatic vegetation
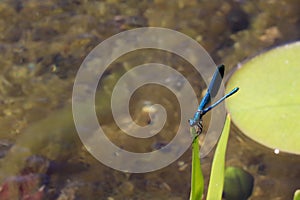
(267, 109)
(215, 188)
(297, 195)
(238, 184)
(197, 182)
(216, 183)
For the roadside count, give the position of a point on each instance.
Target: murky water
(43, 43)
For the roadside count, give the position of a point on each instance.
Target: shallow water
(42, 45)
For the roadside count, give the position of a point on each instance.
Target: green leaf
(267, 107)
(216, 182)
(297, 195)
(197, 182)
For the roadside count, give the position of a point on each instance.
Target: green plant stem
(197, 182)
(216, 183)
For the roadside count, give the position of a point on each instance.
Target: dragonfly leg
(199, 127)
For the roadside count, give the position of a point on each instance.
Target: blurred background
(42, 45)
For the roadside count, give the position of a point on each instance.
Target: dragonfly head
(197, 124)
(192, 122)
(198, 117)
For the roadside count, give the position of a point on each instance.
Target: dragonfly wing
(216, 81)
(213, 87)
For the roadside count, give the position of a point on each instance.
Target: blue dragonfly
(211, 92)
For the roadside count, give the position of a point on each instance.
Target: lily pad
(267, 107)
